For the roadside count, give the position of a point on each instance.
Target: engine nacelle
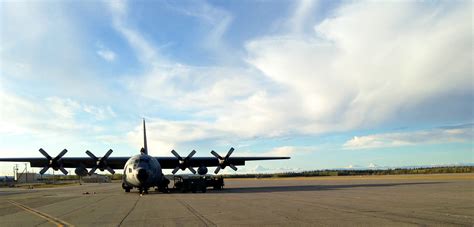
(202, 170)
(81, 171)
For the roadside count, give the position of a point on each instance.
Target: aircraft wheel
(127, 190)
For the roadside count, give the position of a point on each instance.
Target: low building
(27, 177)
(96, 178)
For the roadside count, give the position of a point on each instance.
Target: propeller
(54, 163)
(100, 163)
(224, 161)
(183, 162)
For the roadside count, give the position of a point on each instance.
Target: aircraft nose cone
(142, 175)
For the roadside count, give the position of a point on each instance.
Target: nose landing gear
(143, 191)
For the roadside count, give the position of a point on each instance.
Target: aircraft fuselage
(142, 171)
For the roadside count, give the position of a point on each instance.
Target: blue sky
(330, 83)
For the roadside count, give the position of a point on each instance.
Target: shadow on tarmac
(314, 187)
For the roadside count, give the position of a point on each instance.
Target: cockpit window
(140, 162)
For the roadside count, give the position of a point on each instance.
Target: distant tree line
(319, 173)
(366, 172)
(60, 177)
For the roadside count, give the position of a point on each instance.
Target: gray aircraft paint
(142, 162)
(140, 171)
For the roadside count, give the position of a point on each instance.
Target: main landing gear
(126, 187)
(162, 187)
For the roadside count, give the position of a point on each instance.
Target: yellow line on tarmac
(58, 222)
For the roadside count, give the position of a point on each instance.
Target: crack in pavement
(130, 211)
(201, 217)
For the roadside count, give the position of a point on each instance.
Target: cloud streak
(49, 116)
(289, 151)
(346, 78)
(344, 72)
(107, 55)
(458, 134)
(336, 79)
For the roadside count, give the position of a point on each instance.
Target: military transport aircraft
(141, 171)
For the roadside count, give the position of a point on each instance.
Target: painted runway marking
(58, 222)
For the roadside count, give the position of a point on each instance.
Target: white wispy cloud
(100, 113)
(52, 59)
(351, 72)
(289, 151)
(163, 135)
(217, 22)
(459, 134)
(347, 78)
(144, 49)
(107, 55)
(48, 116)
(301, 16)
(64, 108)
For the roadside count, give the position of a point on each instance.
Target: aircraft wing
(71, 162)
(110, 163)
(172, 162)
(119, 162)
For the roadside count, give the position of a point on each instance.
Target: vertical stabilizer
(145, 148)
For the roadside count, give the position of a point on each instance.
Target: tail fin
(145, 148)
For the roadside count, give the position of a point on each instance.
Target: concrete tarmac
(401, 200)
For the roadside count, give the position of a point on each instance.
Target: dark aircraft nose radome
(142, 175)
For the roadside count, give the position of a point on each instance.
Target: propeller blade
(63, 170)
(175, 170)
(190, 155)
(229, 153)
(216, 154)
(44, 170)
(110, 170)
(60, 155)
(192, 170)
(217, 169)
(176, 154)
(45, 154)
(93, 170)
(91, 155)
(107, 154)
(233, 167)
